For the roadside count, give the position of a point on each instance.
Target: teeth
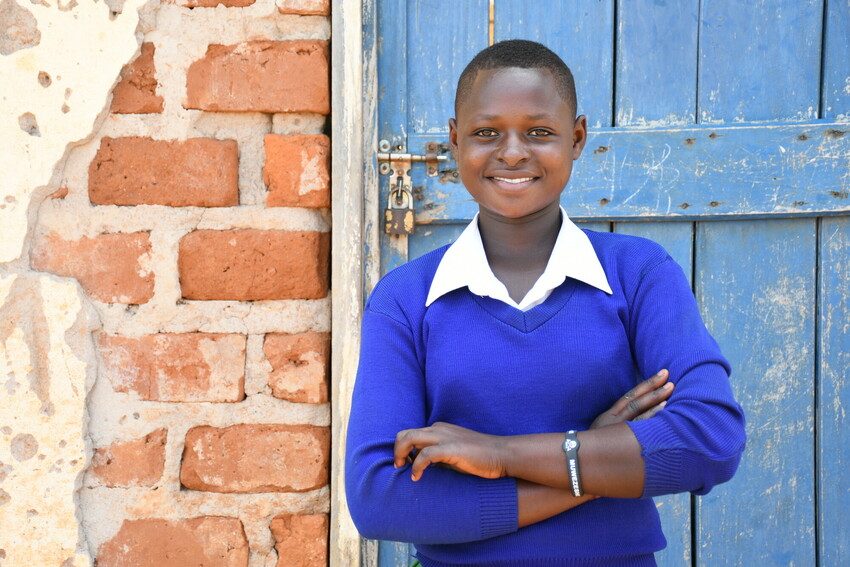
(514, 181)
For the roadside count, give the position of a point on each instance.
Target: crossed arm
(502, 483)
(611, 463)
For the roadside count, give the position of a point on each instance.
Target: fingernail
(664, 403)
(668, 386)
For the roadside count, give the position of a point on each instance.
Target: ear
(453, 135)
(579, 135)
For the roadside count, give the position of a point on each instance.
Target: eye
(486, 133)
(540, 132)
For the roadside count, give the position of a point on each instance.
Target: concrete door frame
(355, 261)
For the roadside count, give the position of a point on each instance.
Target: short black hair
(518, 53)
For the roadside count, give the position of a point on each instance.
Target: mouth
(512, 183)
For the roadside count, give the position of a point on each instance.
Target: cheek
(471, 161)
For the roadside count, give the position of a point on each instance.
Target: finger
(425, 457)
(409, 439)
(648, 385)
(639, 405)
(651, 411)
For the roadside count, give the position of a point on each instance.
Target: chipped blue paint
(759, 60)
(755, 282)
(835, 103)
(688, 173)
(833, 391)
(655, 91)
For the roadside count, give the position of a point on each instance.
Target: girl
(498, 415)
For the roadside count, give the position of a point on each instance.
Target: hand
(461, 449)
(641, 402)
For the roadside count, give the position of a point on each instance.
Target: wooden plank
(690, 173)
(392, 72)
(674, 509)
(656, 63)
(442, 38)
(582, 38)
(755, 282)
(835, 100)
(392, 112)
(833, 423)
(759, 60)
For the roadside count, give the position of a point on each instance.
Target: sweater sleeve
(443, 506)
(696, 442)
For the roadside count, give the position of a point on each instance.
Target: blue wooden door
(719, 129)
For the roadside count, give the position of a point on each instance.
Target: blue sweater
(482, 364)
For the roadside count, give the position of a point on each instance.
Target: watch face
(570, 444)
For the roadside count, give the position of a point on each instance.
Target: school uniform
(443, 341)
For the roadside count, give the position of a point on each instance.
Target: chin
(517, 211)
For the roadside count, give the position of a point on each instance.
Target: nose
(513, 150)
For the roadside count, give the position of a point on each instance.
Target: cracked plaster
(68, 102)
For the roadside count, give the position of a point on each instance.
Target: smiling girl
(508, 407)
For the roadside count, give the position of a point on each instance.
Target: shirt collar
(464, 264)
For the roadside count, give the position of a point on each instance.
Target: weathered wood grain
(835, 99)
(759, 61)
(833, 391)
(656, 63)
(755, 282)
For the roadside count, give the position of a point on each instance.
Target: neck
(521, 243)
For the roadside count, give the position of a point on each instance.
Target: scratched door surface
(719, 129)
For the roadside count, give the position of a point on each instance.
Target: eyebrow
(527, 116)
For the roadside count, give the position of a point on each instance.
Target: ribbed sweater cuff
(663, 465)
(499, 511)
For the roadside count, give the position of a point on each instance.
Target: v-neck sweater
(482, 364)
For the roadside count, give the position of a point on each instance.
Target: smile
(514, 181)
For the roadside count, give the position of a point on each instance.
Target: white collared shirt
(465, 265)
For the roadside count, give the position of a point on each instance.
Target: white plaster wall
(58, 63)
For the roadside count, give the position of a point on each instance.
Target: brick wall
(197, 221)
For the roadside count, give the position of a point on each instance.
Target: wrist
(506, 450)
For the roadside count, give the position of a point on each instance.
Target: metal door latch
(398, 216)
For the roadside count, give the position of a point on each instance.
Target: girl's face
(515, 140)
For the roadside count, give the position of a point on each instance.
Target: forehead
(514, 91)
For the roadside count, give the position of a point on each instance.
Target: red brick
(305, 7)
(139, 462)
(200, 172)
(107, 266)
(301, 541)
(136, 92)
(261, 76)
(299, 366)
(256, 458)
(297, 171)
(214, 3)
(252, 264)
(189, 367)
(208, 541)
